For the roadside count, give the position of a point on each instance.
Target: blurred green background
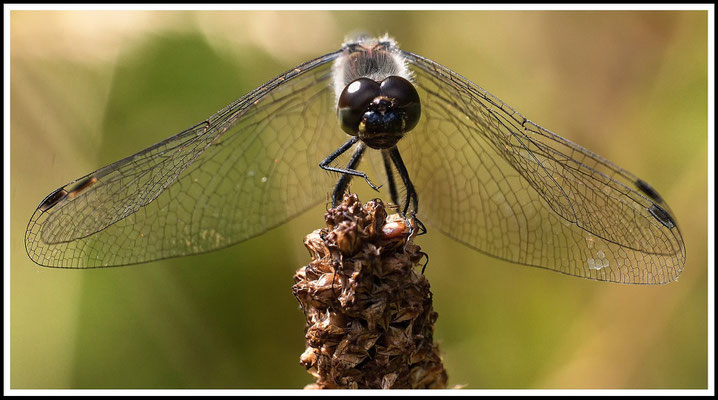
(88, 88)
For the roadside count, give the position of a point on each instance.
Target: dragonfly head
(380, 113)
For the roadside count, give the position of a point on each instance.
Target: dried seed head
(368, 310)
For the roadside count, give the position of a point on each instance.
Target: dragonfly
(447, 150)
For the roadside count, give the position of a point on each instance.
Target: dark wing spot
(52, 199)
(649, 191)
(662, 216)
(80, 186)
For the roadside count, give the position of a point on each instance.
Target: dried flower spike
(368, 308)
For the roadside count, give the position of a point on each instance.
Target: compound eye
(405, 97)
(353, 103)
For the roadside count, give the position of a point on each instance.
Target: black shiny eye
(405, 98)
(353, 102)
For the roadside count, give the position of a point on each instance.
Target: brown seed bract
(368, 310)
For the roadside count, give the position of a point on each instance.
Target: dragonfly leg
(423, 269)
(411, 196)
(349, 170)
(392, 189)
(390, 177)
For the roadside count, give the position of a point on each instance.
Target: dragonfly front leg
(347, 172)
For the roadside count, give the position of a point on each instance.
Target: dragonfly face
(485, 176)
(380, 113)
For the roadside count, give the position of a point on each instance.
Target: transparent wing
(246, 169)
(488, 177)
